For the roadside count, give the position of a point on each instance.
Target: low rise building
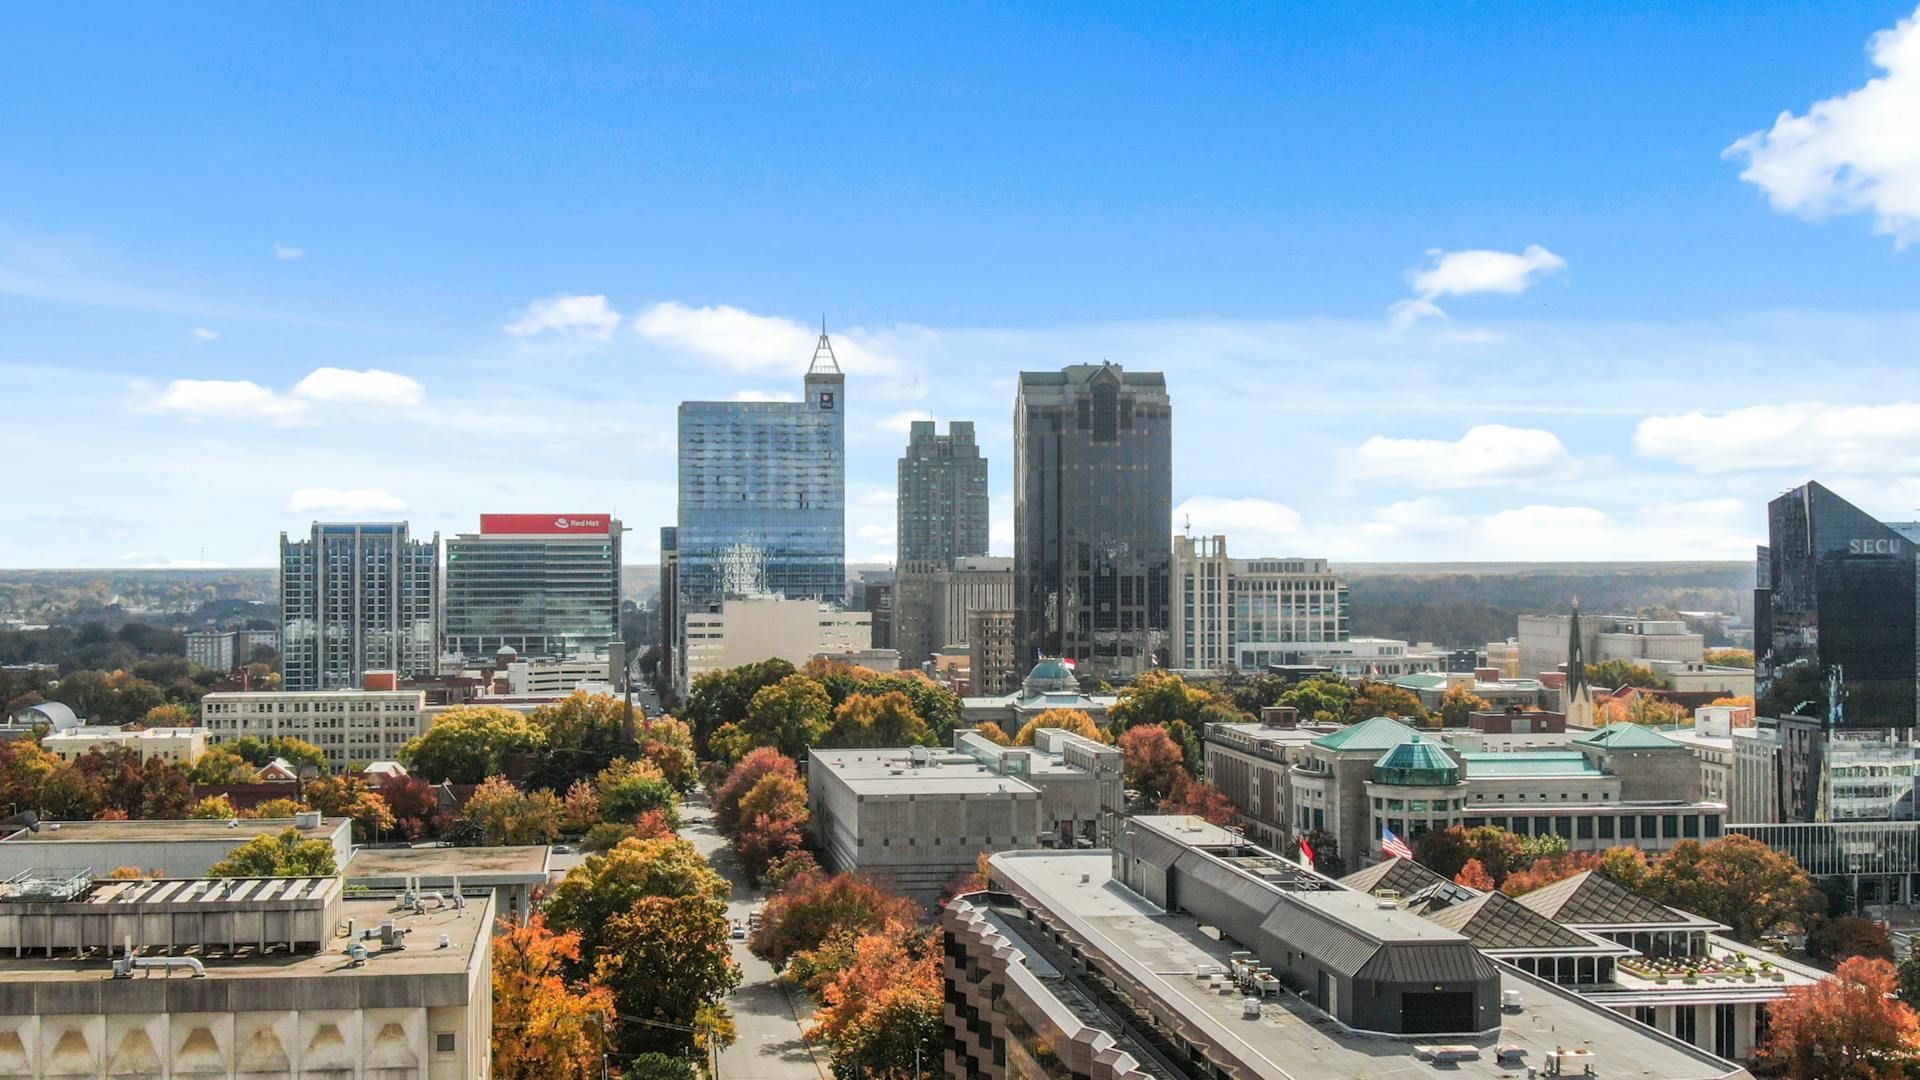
(183, 848)
(1050, 685)
(1543, 641)
(1432, 688)
(1594, 789)
(174, 745)
(1186, 952)
(352, 726)
(754, 628)
(241, 978)
(923, 815)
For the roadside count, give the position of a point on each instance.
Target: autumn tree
(1446, 852)
(603, 887)
(1154, 762)
(580, 810)
(1158, 697)
(1618, 674)
(220, 765)
(213, 808)
(666, 958)
(288, 854)
(937, 706)
(1473, 874)
(627, 789)
(992, 732)
(414, 803)
(1324, 700)
(1548, 870)
(170, 715)
(259, 752)
(815, 907)
(1070, 719)
(881, 1012)
(1371, 699)
(760, 762)
(1740, 658)
(280, 809)
(469, 743)
(581, 734)
(668, 744)
(719, 698)
(1848, 1027)
(1625, 865)
(773, 822)
(1199, 798)
(874, 720)
(1738, 881)
(350, 797)
(543, 1025)
(1459, 704)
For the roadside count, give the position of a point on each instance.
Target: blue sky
(1495, 281)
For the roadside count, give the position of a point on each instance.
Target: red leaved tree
(1848, 1027)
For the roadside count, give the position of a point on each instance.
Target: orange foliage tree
(815, 908)
(772, 822)
(1072, 719)
(544, 1026)
(1199, 798)
(1549, 869)
(1154, 762)
(1474, 876)
(759, 762)
(1848, 1027)
(881, 1005)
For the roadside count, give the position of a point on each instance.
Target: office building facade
(544, 585)
(746, 630)
(357, 597)
(352, 726)
(1835, 615)
(942, 516)
(669, 605)
(763, 494)
(990, 666)
(1247, 614)
(1092, 510)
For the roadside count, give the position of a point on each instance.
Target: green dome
(1416, 764)
(1050, 669)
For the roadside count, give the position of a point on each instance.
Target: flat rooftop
(1294, 1041)
(892, 772)
(160, 832)
(467, 931)
(477, 863)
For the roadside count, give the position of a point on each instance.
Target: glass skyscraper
(1092, 517)
(1835, 614)
(357, 597)
(763, 495)
(545, 585)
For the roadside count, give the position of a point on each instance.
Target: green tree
(790, 716)
(469, 743)
(667, 958)
(874, 720)
(628, 789)
(719, 698)
(220, 765)
(259, 752)
(1371, 699)
(1158, 697)
(1617, 674)
(1321, 700)
(1739, 881)
(581, 735)
(604, 887)
(288, 854)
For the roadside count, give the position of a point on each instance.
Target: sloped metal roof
(1333, 942)
(1590, 899)
(1401, 875)
(1429, 962)
(1498, 921)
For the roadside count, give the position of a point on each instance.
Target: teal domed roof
(1416, 764)
(1050, 668)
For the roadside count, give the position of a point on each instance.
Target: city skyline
(1610, 322)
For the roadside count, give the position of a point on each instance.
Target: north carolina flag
(1393, 845)
(1306, 853)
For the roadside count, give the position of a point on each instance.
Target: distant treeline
(1469, 609)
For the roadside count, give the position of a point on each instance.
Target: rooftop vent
(307, 819)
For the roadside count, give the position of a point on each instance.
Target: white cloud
(742, 341)
(322, 500)
(1861, 440)
(1856, 153)
(902, 422)
(198, 399)
(1464, 273)
(763, 395)
(1487, 454)
(584, 316)
(288, 254)
(1253, 527)
(201, 333)
(1413, 517)
(370, 387)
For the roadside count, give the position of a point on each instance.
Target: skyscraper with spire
(763, 496)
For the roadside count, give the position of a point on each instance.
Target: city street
(766, 1014)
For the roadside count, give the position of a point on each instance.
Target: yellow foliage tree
(1072, 719)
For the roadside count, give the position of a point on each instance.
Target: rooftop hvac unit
(1250, 1008)
(307, 819)
(1510, 1000)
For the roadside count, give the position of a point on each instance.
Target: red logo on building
(545, 524)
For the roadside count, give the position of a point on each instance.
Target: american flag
(1393, 845)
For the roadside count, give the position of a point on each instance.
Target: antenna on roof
(823, 351)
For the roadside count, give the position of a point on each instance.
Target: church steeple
(1576, 701)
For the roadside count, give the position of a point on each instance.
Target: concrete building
(1620, 784)
(752, 628)
(224, 650)
(161, 848)
(357, 597)
(1800, 769)
(241, 978)
(1432, 688)
(670, 662)
(1186, 952)
(921, 816)
(1093, 494)
(512, 874)
(175, 745)
(1050, 685)
(546, 586)
(1611, 945)
(352, 726)
(942, 504)
(991, 671)
(1543, 644)
(1237, 614)
(555, 676)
